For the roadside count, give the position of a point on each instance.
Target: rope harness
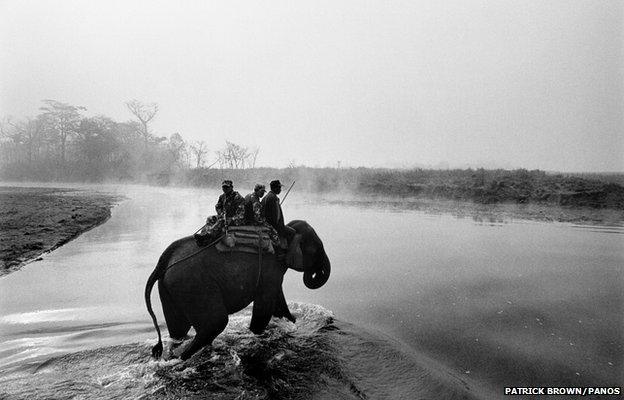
(195, 253)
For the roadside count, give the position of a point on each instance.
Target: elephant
(200, 287)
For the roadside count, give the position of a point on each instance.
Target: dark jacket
(253, 210)
(233, 206)
(272, 212)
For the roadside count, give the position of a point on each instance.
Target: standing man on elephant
(272, 211)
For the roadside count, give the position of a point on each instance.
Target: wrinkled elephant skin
(200, 287)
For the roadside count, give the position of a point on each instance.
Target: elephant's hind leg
(177, 323)
(209, 318)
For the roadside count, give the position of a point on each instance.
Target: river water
(430, 303)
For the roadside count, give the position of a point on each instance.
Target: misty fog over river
(503, 303)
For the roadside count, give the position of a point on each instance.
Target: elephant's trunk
(318, 274)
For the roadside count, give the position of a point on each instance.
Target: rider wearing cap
(272, 211)
(253, 206)
(230, 206)
(230, 212)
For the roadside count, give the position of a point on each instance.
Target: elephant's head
(316, 266)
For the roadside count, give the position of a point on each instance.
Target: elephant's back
(186, 252)
(185, 263)
(184, 260)
(179, 251)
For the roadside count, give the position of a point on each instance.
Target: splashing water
(316, 357)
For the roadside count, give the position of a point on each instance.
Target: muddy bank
(38, 220)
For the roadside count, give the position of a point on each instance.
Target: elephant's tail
(158, 349)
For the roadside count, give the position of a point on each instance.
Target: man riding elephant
(230, 206)
(230, 212)
(253, 206)
(254, 214)
(272, 212)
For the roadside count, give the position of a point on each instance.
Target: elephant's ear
(294, 258)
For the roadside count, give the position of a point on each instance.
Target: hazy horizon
(453, 84)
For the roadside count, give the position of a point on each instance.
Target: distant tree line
(483, 186)
(60, 143)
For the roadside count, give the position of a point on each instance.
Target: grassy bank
(479, 186)
(38, 220)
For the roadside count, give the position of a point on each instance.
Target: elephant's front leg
(261, 315)
(281, 308)
(209, 317)
(263, 308)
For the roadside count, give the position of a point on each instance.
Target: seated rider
(230, 212)
(253, 207)
(230, 206)
(254, 215)
(272, 212)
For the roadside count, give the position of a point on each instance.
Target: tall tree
(199, 150)
(28, 133)
(11, 139)
(99, 147)
(254, 156)
(145, 113)
(62, 120)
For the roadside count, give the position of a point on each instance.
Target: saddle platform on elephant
(246, 239)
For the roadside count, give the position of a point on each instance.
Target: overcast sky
(533, 84)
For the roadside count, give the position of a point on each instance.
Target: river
(484, 303)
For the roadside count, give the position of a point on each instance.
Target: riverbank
(483, 213)
(38, 220)
(480, 186)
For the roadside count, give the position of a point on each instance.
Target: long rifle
(288, 191)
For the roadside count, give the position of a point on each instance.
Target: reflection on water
(503, 303)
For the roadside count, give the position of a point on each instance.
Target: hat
(227, 182)
(275, 183)
(259, 186)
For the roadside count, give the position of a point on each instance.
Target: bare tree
(199, 150)
(233, 156)
(223, 159)
(10, 139)
(254, 156)
(144, 113)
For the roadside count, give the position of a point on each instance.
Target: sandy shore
(38, 220)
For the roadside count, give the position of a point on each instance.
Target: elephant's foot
(290, 317)
(260, 318)
(281, 313)
(207, 331)
(257, 330)
(281, 308)
(193, 348)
